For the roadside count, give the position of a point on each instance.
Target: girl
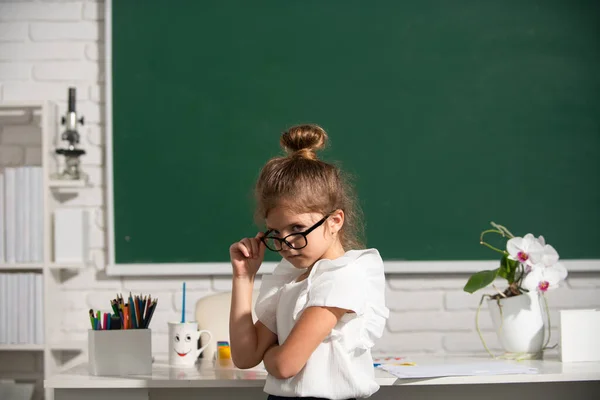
(323, 307)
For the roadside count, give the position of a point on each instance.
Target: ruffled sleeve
(356, 282)
(270, 290)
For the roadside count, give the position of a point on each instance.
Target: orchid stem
(483, 242)
(490, 231)
(492, 247)
(505, 232)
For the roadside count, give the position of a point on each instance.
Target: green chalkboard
(449, 115)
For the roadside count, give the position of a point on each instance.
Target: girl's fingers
(255, 246)
(241, 248)
(248, 244)
(261, 244)
(251, 247)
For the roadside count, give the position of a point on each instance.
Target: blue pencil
(183, 306)
(132, 313)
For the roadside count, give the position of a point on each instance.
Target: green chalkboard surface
(449, 115)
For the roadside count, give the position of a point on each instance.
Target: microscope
(71, 153)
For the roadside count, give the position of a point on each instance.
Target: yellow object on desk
(224, 354)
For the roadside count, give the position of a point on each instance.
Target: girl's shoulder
(366, 261)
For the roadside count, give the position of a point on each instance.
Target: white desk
(555, 380)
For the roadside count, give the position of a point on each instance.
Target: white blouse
(341, 367)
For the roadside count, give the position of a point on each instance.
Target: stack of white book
(21, 215)
(21, 308)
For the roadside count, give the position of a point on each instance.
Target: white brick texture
(460, 300)
(160, 283)
(65, 31)
(469, 342)
(13, 32)
(221, 283)
(416, 282)
(15, 71)
(94, 52)
(93, 11)
(97, 93)
(93, 134)
(409, 343)
(401, 300)
(47, 46)
(94, 155)
(66, 71)
(581, 280)
(434, 321)
(20, 11)
(41, 51)
(191, 297)
(29, 91)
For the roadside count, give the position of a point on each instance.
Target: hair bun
(304, 140)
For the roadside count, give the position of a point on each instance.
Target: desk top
(205, 375)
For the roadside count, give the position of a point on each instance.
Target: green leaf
(480, 280)
(504, 269)
(508, 268)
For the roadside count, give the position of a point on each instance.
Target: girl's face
(322, 243)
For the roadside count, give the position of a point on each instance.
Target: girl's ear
(336, 221)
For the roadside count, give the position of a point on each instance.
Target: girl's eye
(298, 228)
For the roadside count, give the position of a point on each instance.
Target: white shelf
(66, 184)
(52, 360)
(21, 347)
(20, 105)
(22, 267)
(66, 266)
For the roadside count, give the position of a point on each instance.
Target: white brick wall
(13, 31)
(48, 46)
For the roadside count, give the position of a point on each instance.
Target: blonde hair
(303, 183)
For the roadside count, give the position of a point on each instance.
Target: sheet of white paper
(471, 369)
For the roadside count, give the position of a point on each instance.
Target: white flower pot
(520, 326)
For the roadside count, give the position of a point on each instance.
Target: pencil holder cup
(183, 343)
(120, 352)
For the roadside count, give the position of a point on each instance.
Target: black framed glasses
(294, 241)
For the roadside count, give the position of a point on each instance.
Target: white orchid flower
(549, 256)
(542, 278)
(527, 250)
(541, 240)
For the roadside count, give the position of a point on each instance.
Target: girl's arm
(249, 341)
(314, 325)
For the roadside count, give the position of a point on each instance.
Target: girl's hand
(246, 256)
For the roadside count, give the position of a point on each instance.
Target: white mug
(183, 343)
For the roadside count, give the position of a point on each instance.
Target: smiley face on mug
(184, 343)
